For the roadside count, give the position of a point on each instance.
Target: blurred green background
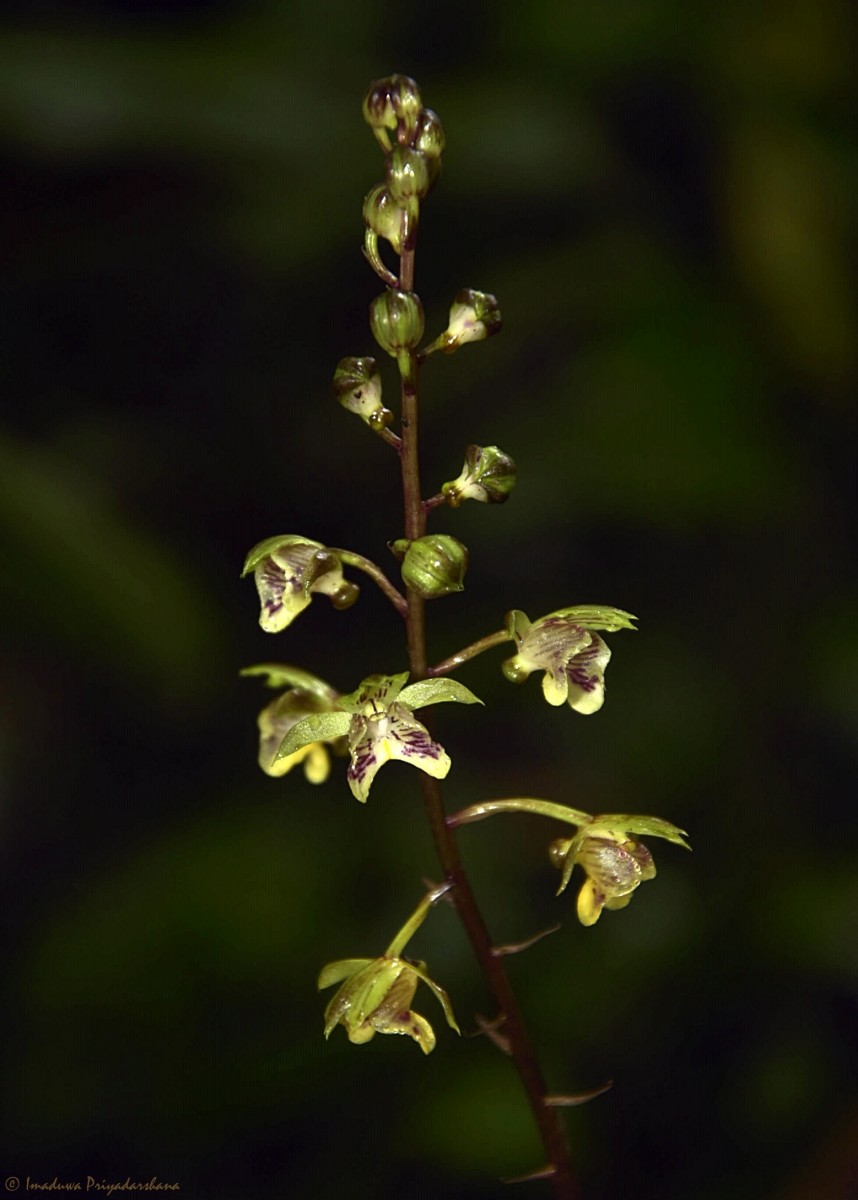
(658, 194)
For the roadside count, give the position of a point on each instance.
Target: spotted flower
(376, 993)
(307, 695)
(613, 860)
(287, 570)
(566, 646)
(379, 720)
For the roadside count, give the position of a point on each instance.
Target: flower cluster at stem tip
(309, 720)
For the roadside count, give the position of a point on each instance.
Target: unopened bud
(488, 476)
(396, 320)
(429, 138)
(383, 216)
(408, 176)
(434, 565)
(392, 103)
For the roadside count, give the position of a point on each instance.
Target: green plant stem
(521, 1049)
(376, 575)
(455, 660)
(392, 440)
(434, 502)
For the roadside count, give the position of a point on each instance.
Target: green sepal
(441, 996)
(597, 616)
(336, 972)
(270, 545)
(280, 675)
(318, 727)
(437, 691)
(652, 826)
(560, 854)
(380, 689)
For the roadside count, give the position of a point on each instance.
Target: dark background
(657, 193)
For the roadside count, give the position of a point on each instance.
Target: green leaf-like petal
(436, 691)
(439, 993)
(318, 727)
(652, 826)
(281, 675)
(269, 545)
(336, 972)
(597, 616)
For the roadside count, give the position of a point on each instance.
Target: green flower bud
(357, 386)
(429, 138)
(396, 320)
(383, 216)
(474, 316)
(488, 476)
(434, 565)
(392, 103)
(408, 176)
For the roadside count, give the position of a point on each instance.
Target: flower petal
(411, 1023)
(317, 763)
(278, 675)
(393, 1014)
(374, 693)
(286, 570)
(336, 972)
(555, 687)
(586, 675)
(436, 691)
(551, 642)
(280, 597)
(612, 865)
(597, 616)
(394, 734)
(317, 727)
(439, 994)
(591, 901)
(562, 855)
(651, 826)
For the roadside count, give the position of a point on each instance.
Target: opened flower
(614, 861)
(308, 695)
(376, 994)
(378, 719)
(488, 476)
(566, 646)
(287, 570)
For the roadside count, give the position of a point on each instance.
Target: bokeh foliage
(657, 193)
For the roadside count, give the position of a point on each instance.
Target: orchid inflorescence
(377, 721)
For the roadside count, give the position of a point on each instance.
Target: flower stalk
(492, 967)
